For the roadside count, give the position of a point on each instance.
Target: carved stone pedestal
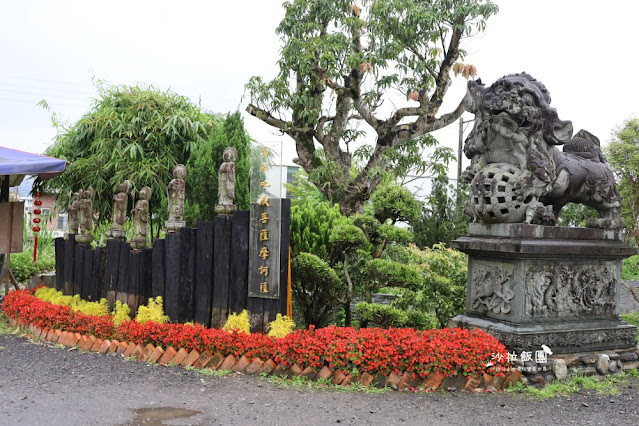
(116, 233)
(225, 208)
(532, 285)
(174, 225)
(83, 238)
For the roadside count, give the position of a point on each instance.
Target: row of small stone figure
(81, 208)
(139, 215)
(81, 211)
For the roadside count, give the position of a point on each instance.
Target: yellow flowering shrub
(121, 313)
(56, 297)
(238, 322)
(152, 311)
(281, 326)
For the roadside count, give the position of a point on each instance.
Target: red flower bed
(371, 350)
(24, 305)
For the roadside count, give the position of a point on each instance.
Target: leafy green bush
(316, 289)
(23, 267)
(121, 313)
(630, 270)
(394, 202)
(311, 225)
(576, 215)
(389, 273)
(632, 318)
(442, 218)
(390, 316)
(443, 292)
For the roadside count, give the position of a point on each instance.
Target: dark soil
(41, 384)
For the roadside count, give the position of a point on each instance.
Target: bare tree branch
(425, 124)
(266, 117)
(442, 82)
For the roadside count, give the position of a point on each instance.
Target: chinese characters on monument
(264, 234)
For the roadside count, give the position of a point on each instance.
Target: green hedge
(23, 267)
(630, 270)
(389, 316)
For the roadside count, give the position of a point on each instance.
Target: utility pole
(460, 147)
(459, 150)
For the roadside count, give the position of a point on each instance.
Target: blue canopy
(18, 163)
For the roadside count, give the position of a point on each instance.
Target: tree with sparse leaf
(442, 218)
(341, 62)
(130, 132)
(623, 156)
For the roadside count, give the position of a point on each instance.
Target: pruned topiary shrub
(316, 287)
(390, 316)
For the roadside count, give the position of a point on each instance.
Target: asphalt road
(45, 385)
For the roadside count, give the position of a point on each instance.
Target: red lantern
(36, 220)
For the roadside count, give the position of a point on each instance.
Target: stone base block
(532, 285)
(561, 338)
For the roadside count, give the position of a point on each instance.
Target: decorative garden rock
(120, 205)
(603, 362)
(176, 199)
(140, 219)
(226, 183)
(560, 369)
(517, 174)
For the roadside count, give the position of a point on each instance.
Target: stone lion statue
(517, 173)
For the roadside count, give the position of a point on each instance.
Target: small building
(53, 220)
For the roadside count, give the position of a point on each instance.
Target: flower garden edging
(403, 359)
(217, 361)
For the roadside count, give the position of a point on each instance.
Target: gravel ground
(41, 384)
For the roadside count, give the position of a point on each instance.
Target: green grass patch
(602, 385)
(632, 318)
(304, 382)
(5, 326)
(209, 372)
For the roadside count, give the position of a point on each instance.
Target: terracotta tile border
(216, 361)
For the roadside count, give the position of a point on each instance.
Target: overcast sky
(582, 50)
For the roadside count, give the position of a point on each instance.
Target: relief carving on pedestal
(570, 290)
(492, 288)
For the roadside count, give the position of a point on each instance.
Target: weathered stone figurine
(120, 204)
(86, 217)
(73, 213)
(176, 199)
(226, 183)
(516, 168)
(140, 219)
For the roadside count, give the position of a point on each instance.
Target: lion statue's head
(514, 124)
(516, 172)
